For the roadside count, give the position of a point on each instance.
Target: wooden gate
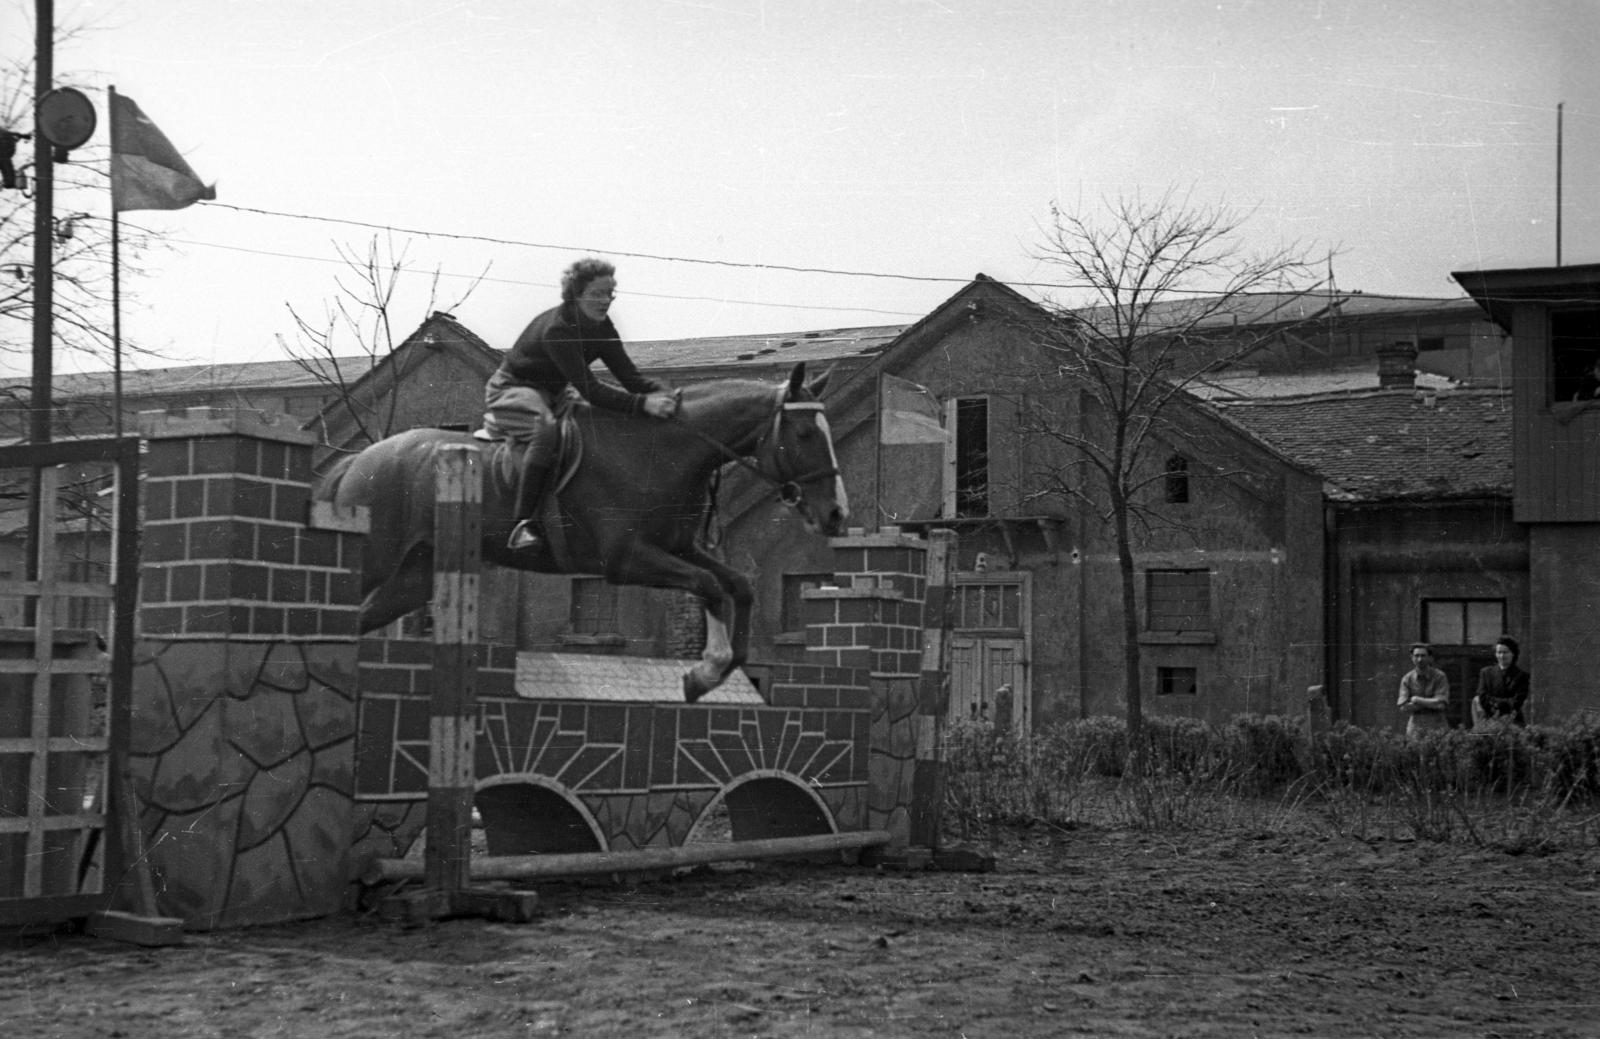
(68, 591)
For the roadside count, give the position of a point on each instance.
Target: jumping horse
(631, 510)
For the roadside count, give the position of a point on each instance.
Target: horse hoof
(692, 690)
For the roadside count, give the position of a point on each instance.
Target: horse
(631, 510)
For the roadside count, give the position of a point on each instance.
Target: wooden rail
(590, 863)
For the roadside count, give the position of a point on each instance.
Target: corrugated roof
(1388, 445)
(196, 378)
(1285, 307)
(815, 346)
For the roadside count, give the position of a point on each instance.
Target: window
(1177, 480)
(792, 616)
(1574, 349)
(594, 606)
(1427, 344)
(981, 606)
(1175, 681)
(1178, 600)
(1463, 622)
(972, 456)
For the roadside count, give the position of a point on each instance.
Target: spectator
(1424, 693)
(1503, 686)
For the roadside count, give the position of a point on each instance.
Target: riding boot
(525, 535)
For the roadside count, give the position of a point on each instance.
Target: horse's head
(804, 459)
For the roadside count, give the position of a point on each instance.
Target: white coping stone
(577, 676)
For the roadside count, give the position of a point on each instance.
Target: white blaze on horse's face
(833, 521)
(833, 460)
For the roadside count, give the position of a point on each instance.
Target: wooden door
(989, 682)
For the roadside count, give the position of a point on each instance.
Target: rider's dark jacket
(556, 350)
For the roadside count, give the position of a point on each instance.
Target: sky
(921, 138)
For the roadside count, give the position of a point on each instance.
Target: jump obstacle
(278, 758)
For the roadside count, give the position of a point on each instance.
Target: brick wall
(229, 548)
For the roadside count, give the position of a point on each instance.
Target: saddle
(505, 464)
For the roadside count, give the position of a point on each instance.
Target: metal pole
(1559, 106)
(116, 280)
(43, 231)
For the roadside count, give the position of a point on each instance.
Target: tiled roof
(1248, 384)
(1391, 445)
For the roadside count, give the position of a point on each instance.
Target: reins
(788, 487)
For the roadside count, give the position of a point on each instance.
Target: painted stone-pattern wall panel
(645, 772)
(242, 743)
(244, 787)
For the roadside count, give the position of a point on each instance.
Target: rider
(553, 353)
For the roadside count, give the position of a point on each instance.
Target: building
(1276, 554)
(1553, 317)
(1419, 538)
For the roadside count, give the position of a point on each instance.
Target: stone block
(271, 798)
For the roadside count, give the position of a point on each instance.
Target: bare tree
(356, 332)
(1171, 297)
(82, 274)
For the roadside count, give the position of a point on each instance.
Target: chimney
(1397, 365)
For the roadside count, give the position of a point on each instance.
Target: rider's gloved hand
(661, 405)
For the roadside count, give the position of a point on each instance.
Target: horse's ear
(797, 381)
(817, 386)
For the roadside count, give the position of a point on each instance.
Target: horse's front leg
(736, 590)
(648, 565)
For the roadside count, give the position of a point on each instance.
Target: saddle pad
(577, 676)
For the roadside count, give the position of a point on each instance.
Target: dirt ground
(1088, 932)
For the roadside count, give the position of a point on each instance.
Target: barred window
(594, 606)
(1178, 600)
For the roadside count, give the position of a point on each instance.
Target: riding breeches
(524, 416)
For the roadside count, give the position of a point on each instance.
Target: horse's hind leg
(409, 587)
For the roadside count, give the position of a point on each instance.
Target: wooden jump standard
(457, 561)
(589, 863)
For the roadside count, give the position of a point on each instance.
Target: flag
(909, 414)
(146, 170)
(911, 451)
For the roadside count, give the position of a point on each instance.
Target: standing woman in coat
(1503, 686)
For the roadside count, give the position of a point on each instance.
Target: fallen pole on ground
(589, 863)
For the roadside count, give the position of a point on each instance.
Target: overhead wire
(732, 264)
(404, 269)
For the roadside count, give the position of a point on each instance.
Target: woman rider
(553, 353)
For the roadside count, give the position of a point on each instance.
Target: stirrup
(523, 536)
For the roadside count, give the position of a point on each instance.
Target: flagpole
(116, 278)
(877, 457)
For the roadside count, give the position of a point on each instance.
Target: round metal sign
(66, 118)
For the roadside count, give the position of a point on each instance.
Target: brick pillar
(244, 700)
(874, 620)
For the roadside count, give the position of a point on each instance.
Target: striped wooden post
(457, 559)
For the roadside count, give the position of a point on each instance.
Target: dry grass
(1519, 790)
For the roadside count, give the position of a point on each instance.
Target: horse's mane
(700, 393)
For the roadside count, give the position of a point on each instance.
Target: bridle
(788, 485)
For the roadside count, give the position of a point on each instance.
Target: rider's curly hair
(577, 277)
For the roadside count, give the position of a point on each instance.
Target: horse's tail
(327, 485)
